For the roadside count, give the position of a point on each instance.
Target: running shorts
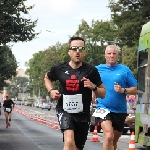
(71, 122)
(117, 120)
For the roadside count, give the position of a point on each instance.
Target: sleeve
(130, 79)
(52, 74)
(12, 102)
(96, 78)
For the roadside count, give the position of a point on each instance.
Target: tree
(19, 85)
(130, 16)
(95, 36)
(8, 65)
(130, 58)
(42, 62)
(13, 24)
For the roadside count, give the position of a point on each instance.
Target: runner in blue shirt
(112, 110)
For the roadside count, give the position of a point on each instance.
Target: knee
(69, 142)
(109, 136)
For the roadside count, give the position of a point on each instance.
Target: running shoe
(8, 124)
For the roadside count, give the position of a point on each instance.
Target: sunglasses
(75, 48)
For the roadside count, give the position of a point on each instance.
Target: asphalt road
(28, 132)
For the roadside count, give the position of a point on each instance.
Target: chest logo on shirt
(72, 84)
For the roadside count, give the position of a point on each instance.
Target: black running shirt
(70, 82)
(8, 103)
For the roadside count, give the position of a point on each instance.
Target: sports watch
(125, 90)
(95, 88)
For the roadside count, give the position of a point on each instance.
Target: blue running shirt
(114, 101)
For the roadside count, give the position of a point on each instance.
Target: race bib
(101, 113)
(8, 109)
(72, 103)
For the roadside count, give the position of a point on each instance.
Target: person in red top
(7, 105)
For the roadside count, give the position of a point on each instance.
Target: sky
(57, 20)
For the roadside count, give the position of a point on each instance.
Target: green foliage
(18, 85)
(13, 24)
(42, 62)
(129, 16)
(95, 36)
(8, 65)
(130, 58)
(124, 28)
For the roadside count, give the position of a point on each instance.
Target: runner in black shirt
(7, 109)
(77, 80)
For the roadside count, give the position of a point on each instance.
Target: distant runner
(8, 109)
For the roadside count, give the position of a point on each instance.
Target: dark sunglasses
(75, 48)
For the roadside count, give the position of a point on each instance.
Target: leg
(118, 120)
(108, 135)
(129, 121)
(69, 143)
(6, 117)
(117, 135)
(67, 127)
(80, 134)
(9, 116)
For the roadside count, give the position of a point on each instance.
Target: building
(21, 73)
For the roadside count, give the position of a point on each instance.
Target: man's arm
(48, 83)
(129, 90)
(13, 103)
(55, 95)
(3, 104)
(101, 91)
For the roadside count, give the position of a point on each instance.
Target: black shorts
(117, 120)
(70, 121)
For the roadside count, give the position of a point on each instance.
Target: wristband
(95, 88)
(50, 91)
(125, 90)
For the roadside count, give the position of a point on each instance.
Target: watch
(95, 88)
(50, 91)
(125, 90)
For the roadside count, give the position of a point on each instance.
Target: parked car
(39, 105)
(46, 106)
(18, 102)
(27, 103)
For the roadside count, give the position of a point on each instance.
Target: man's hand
(55, 94)
(88, 83)
(118, 88)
